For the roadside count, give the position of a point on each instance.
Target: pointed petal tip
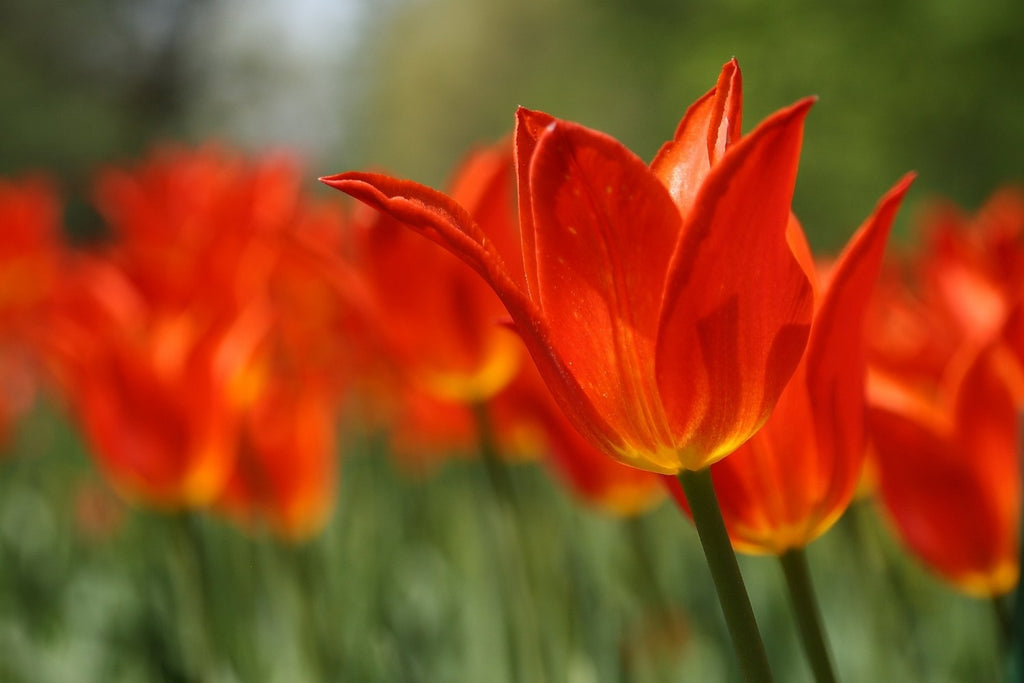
(337, 180)
(904, 183)
(532, 119)
(793, 114)
(895, 194)
(804, 103)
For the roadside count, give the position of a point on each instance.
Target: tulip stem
(725, 571)
(510, 553)
(808, 616)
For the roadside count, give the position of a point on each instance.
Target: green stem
(1003, 615)
(510, 552)
(808, 616)
(725, 571)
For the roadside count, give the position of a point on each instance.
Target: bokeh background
(403, 585)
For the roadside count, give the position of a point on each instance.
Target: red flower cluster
(667, 307)
(673, 312)
(197, 348)
(205, 346)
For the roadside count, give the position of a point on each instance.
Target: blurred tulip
(31, 246)
(949, 470)
(945, 399)
(203, 349)
(157, 395)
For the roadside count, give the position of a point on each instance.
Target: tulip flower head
(949, 473)
(662, 304)
(201, 348)
(945, 398)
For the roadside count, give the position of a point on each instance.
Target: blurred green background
(409, 85)
(406, 584)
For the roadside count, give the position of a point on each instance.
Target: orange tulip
(663, 305)
(795, 477)
(202, 348)
(156, 393)
(973, 266)
(948, 467)
(944, 426)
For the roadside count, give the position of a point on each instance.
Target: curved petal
(604, 229)
(710, 125)
(430, 213)
(835, 364)
(737, 304)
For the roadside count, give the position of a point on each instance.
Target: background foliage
(929, 85)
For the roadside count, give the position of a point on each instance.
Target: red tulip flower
(945, 427)
(202, 349)
(949, 472)
(795, 477)
(158, 395)
(662, 304)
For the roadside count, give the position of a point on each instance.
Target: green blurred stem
(808, 616)
(491, 457)
(725, 571)
(194, 608)
(507, 533)
(1002, 612)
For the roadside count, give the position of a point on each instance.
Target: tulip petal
(430, 213)
(708, 127)
(604, 230)
(737, 304)
(835, 361)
